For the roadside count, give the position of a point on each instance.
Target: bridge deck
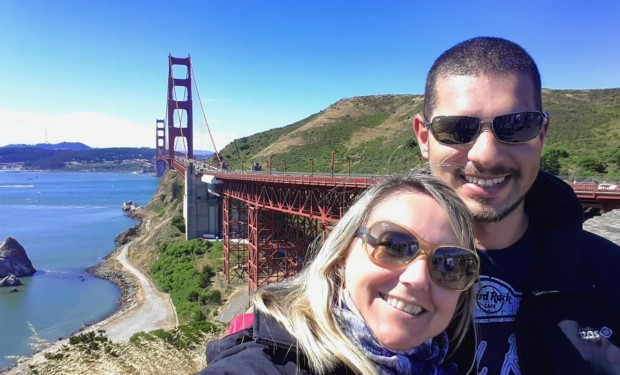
(302, 179)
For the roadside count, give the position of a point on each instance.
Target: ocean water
(66, 222)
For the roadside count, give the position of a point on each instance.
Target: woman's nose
(416, 274)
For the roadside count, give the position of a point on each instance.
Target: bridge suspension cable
(217, 154)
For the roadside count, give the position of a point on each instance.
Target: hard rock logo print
(496, 301)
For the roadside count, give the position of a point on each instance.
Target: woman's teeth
(408, 308)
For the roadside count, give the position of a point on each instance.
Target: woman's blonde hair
(303, 303)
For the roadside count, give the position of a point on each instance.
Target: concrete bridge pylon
(202, 207)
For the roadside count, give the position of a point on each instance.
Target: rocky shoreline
(126, 283)
(110, 270)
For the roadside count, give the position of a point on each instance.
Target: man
(548, 299)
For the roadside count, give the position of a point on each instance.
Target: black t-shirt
(503, 276)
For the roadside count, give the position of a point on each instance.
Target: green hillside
(585, 129)
(373, 134)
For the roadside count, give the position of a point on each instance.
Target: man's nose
(486, 148)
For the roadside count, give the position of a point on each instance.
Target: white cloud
(94, 129)
(202, 140)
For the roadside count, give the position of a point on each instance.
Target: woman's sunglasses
(511, 128)
(391, 246)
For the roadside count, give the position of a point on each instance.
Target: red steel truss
(284, 215)
(321, 198)
(269, 220)
(277, 245)
(235, 238)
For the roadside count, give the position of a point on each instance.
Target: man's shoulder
(600, 255)
(599, 241)
(601, 261)
(551, 202)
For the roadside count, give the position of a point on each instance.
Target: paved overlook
(606, 225)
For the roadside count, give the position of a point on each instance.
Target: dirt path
(155, 311)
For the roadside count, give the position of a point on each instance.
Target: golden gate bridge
(267, 220)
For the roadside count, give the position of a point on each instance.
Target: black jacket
(569, 319)
(266, 348)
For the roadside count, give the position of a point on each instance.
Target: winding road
(154, 311)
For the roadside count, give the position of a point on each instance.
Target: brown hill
(373, 134)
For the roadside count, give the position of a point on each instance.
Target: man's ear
(421, 133)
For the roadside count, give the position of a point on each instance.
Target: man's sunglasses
(391, 246)
(512, 128)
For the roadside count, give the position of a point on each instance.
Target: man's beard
(487, 214)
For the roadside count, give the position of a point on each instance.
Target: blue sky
(96, 71)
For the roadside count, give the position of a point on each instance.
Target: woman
(377, 297)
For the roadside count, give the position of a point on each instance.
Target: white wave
(16, 186)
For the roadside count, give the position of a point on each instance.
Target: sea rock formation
(14, 260)
(10, 280)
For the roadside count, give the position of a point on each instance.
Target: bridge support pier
(202, 210)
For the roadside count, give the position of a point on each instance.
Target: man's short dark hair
(481, 55)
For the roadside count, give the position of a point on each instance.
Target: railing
(612, 188)
(348, 179)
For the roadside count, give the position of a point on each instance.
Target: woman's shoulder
(228, 345)
(263, 348)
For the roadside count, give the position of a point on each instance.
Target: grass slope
(373, 134)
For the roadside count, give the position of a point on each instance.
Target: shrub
(178, 221)
(181, 337)
(178, 272)
(177, 189)
(590, 165)
(194, 296)
(550, 160)
(211, 296)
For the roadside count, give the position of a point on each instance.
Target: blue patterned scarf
(423, 360)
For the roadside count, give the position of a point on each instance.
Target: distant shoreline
(123, 171)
